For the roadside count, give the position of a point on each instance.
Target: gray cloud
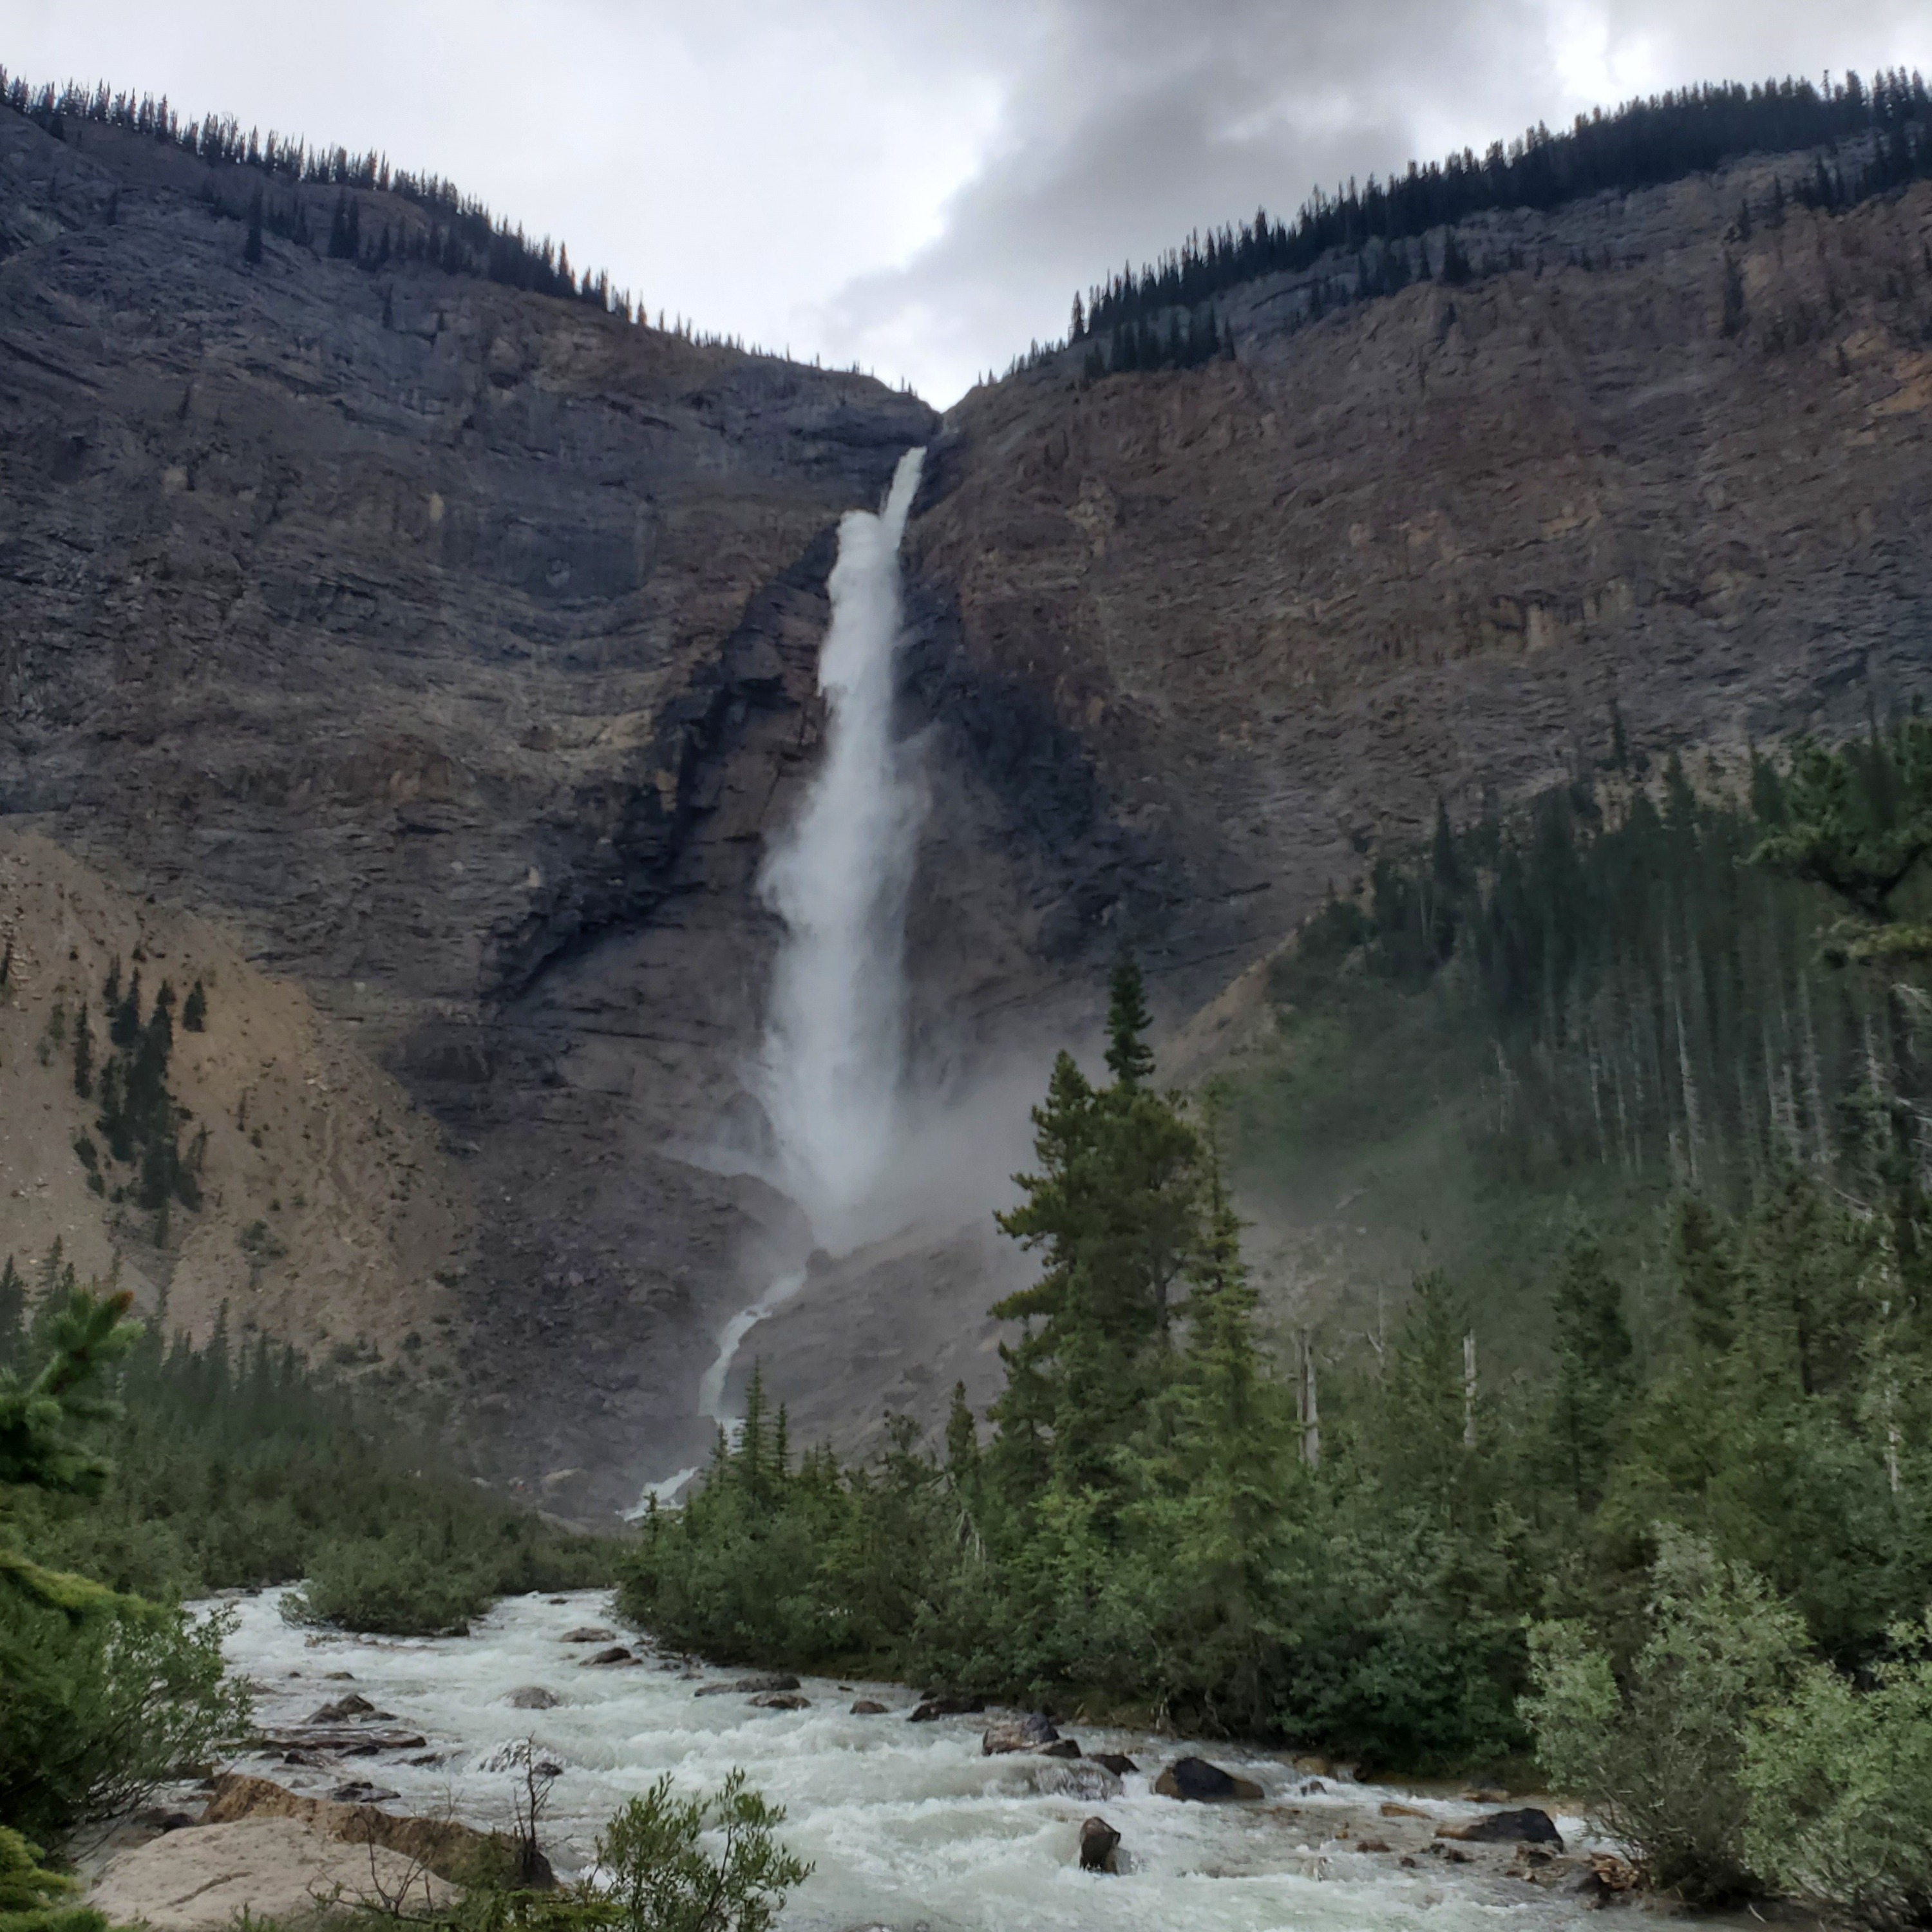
(920, 188)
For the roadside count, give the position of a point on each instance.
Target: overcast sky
(918, 185)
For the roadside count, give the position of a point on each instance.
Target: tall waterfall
(833, 1063)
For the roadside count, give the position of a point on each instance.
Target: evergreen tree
(124, 1026)
(1593, 1369)
(83, 1054)
(1129, 1059)
(251, 249)
(194, 1009)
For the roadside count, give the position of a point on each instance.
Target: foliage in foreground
(1658, 1748)
(1840, 1782)
(712, 1863)
(102, 1694)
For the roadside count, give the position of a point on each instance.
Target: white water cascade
(833, 1067)
(832, 1073)
(907, 1825)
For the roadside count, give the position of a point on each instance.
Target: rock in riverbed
(1017, 1734)
(1098, 1843)
(531, 1697)
(1527, 1826)
(1194, 1778)
(766, 1681)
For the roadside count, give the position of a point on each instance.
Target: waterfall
(831, 1073)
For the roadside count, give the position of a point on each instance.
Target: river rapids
(907, 1825)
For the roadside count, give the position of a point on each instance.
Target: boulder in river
(587, 1634)
(1083, 1780)
(1527, 1826)
(1098, 1843)
(1195, 1779)
(1060, 1748)
(531, 1697)
(347, 1710)
(781, 1700)
(1119, 1764)
(616, 1653)
(359, 1791)
(1017, 1734)
(946, 1706)
(745, 1687)
(868, 1707)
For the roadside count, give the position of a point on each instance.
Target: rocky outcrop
(277, 1869)
(458, 1853)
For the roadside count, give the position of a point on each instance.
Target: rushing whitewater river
(908, 1825)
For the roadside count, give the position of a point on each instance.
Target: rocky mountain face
(1419, 549)
(452, 650)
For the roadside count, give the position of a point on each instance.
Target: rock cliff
(450, 652)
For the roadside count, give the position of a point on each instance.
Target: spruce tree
(1129, 1059)
(83, 1054)
(1593, 1369)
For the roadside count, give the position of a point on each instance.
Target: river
(908, 1826)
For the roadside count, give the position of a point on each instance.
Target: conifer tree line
(461, 236)
(1344, 1539)
(1164, 315)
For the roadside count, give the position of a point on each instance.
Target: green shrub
(1840, 1788)
(1655, 1751)
(96, 1710)
(32, 1898)
(391, 1585)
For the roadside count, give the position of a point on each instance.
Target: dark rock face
(457, 649)
(1254, 618)
(456, 643)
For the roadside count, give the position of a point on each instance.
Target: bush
(1655, 1751)
(96, 1711)
(391, 1585)
(32, 1898)
(1840, 1790)
(430, 1576)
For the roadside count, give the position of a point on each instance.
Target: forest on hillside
(1677, 1558)
(1386, 235)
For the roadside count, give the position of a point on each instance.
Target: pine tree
(83, 1054)
(1129, 1059)
(1593, 1369)
(124, 1025)
(194, 1009)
